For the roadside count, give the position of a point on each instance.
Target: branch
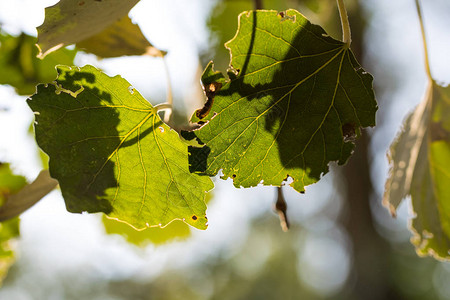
(281, 209)
(28, 196)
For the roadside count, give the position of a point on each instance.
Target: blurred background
(342, 244)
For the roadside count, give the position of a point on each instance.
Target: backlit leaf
(420, 164)
(295, 101)
(71, 21)
(175, 231)
(111, 152)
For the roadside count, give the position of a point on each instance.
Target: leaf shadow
(85, 164)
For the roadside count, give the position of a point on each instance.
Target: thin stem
(169, 101)
(346, 33)
(424, 40)
(163, 106)
(281, 209)
(258, 4)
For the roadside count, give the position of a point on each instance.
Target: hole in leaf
(285, 17)
(348, 132)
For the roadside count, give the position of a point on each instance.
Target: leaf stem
(163, 106)
(424, 40)
(169, 101)
(346, 33)
(258, 4)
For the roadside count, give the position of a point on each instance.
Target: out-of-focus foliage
(420, 157)
(121, 38)
(9, 230)
(69, 21)
(21, 69)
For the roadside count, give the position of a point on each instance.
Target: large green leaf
(71, 21)
(111, 152)
(420, 160)
(21, 69)
(9, 230)
(295, 101)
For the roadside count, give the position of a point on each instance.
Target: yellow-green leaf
(111, 152)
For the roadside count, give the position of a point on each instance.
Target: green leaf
(111, 152)
(155, 235)
(9, 230)
(71, 21)
(420, 160)
(223, 25)
(174, 231)
(121, 38)
(295, 101)
(21, 69)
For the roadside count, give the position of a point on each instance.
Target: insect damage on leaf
(349, 132)
(285, 17)
(210, 92)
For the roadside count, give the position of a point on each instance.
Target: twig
(258, 4)
(346, 33)
(424, 40)
(281, 209)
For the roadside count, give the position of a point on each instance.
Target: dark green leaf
(111, 152)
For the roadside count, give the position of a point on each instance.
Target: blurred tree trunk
(370, 275)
